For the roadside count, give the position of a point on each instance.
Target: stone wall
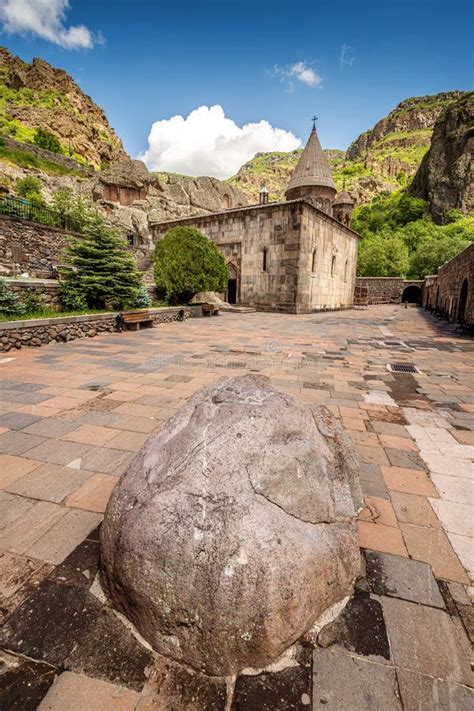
(271, 248)
(30, 247)
(386, 290)
(446, 292)
(46, 290)
(39, 332)
(58, 158)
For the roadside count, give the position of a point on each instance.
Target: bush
(10, 304)
(187, 262)
(105, 275)
(32, 302)
(74, 209)
(28, 186)
(46, 139)
(143, 298)
(70, 294)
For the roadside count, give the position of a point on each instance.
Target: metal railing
(25, 210)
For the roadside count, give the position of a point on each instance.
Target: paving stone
(345, 683)
(410, 508)
(401, 577)
(432, 546)
(74, 692)
(107, 461)
(94, 494)
(423, 639)
(425, 693)
(456, 517)
(91, 434)
(12, 507)
(378, 510)
(360, 628)
(286, 690)
(17, 420)
(372, 481)
(20, 577)
(60, 453)
(23, 682)
(50, 623)
(403, 458)
(453, 488)
(128, 441)
(18, 442)
(64, 536)
(372, 455)
(388, 428)
(50, 482)
(50, 427)
(408, 481)
(25, 530)
(464, 550)
(80, 567)
(376, 536)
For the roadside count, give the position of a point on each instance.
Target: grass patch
(51, 313)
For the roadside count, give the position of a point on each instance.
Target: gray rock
(233, 530)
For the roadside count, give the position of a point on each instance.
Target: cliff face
(39, 95)
(381, 159)
(445, 177)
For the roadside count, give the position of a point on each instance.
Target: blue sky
(278, 61)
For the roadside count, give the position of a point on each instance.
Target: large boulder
(233, 530)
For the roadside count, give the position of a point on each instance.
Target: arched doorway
(463, 300)
(412, 294)
(232, 283)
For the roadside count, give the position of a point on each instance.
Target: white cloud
(300, 71)
(206, 142)
(45, 19)
(346, 56)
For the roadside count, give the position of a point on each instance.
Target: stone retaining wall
(47, 290)
(58, 158)
(39, 332)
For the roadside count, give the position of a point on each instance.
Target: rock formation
(233, 530)
(39, 95)
(445, 177)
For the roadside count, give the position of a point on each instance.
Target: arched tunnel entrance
(412, 294)
(463, 300)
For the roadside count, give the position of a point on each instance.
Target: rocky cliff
(445, 177)
(380, 160)
(38, 95)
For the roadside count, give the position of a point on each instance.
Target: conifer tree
(10, 304)
(105, 273)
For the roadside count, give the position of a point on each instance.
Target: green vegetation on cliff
(400, 239)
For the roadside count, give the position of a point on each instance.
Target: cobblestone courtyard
(72, 417)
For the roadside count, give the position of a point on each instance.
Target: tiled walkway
(71, 418)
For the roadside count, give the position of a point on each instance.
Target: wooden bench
(210, 310)
(134, 320)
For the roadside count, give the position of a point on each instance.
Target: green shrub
(32, 302)
(28, 185)
(187, 262)
(75, 209)
(143, 298)
(105, 273)
(10, 304)
(46, 139)
(71, 296)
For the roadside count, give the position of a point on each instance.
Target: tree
(143, 298)
(383, 255)
(28, 185)
(187, 262)
(10, 304)
(104, 273)
(74, 209)
(46, 139)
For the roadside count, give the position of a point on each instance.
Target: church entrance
(232, 284)
(412, 294)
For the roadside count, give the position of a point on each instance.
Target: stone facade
(386, 290)
(58, 158)
(39, 332)
(46, 290)
(285, 256)
(452, 290)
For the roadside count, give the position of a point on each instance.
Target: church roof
(343, 198)
(313, 167)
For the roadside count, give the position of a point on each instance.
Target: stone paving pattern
(72, 417)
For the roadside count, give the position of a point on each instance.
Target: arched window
(333, 265)
(313, 261)
(345, 270)
(264, 259)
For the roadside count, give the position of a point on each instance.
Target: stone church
(295, 256)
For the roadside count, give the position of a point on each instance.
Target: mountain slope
(38, 95)
(380, 160)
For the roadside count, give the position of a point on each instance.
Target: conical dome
(343, 198)
(313, 168)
